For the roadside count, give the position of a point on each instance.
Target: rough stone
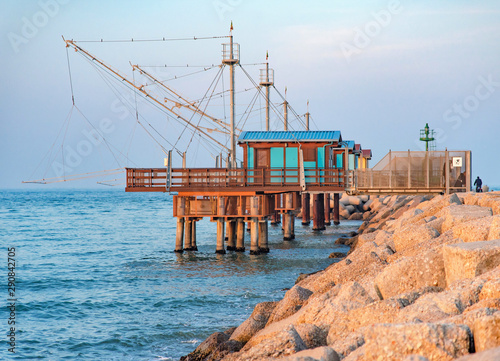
(410, 235)
(207, 347)
(490, 290)
(436, 342)
(456, 214)
(412, 273)
(347, 344)
(291, 303)
(285, 342)
(489, 355)
(254, 323)
(468, 260)
(312, 335)
(356, 216)
(486, 332)
(317, 354)
(415, 358)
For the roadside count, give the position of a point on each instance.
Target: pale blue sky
(426, 62)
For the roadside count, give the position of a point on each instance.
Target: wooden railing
(156, 179)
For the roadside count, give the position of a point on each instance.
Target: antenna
(427, 136)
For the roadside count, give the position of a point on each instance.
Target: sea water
(96, 277)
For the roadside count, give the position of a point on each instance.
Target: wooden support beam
(287, 227)
(220, 236)
(194, 246)
(179, 236)
(231, 235)
(240, 235)
(254, 237)
(306, 209)
(188, 231)
(318, 212)
(327, 209)
(263, 237)
(336, 209)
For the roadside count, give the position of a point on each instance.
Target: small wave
(193, 341)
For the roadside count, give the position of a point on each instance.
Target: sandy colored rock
(469, 317)
(436, 342)
(412, 273)
(207, 347)
(410, 235)
(457, 214)
(468, 260)
(356, 216)
(489, 355)
(284, 343)
(490, 290)
(415, 358)
(254, 323)
(317, 354)
(486, 331)
(347, 344)
(312, 335)
(326, 309)
(291, 303)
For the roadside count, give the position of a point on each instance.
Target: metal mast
(230, 56)
(285, 110)
(266, 80)
(307, 116)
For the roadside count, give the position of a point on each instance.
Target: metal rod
(231, 92)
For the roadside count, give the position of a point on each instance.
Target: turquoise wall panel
(351, 161)
(292, 157)
(277, 158)
(321, 157)
(340, 160)
(250, 158)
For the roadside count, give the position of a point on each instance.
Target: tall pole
(231, 92)
(267, 97)
(285, 107)
(307, 121)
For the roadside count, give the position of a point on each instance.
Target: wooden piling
(220, 236)
(287, 227)
(327, 209)
(240, 235)
(231, 235)
(292, 225)
(194, 247)
(263, 237)
(188, 231)
(179, 236)
(306, 209)
(318, 212)
(336, 209)
(254, 237)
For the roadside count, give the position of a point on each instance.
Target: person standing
(478, 183)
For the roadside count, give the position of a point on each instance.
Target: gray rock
(207, 347)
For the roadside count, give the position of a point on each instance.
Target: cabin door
(262, 163)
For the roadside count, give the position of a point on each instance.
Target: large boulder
(256, 322)
(489, 355)
(317, 354)
(291, 303)
(312, 335)
(482, 229)
(486, 332)
(283, 343)
(468, 260)
(411, 235)
(412, 273)
(207, 347)
(456, 214)
(436, 342)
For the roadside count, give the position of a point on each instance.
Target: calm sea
(97, 278)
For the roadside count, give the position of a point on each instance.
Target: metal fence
(405, 172)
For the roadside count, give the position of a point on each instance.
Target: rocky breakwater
(421, 282)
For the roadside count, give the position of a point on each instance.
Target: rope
(70, 78)
(149, 40)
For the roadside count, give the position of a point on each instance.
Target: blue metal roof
(350, 144)
(291, 136)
